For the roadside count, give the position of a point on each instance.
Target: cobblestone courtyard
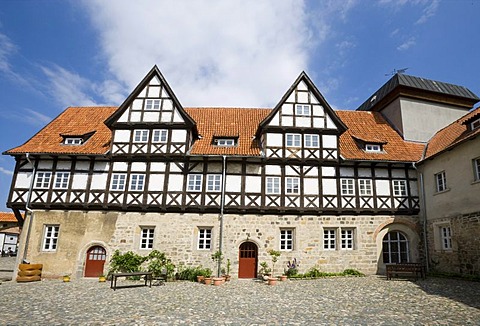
(368, 300)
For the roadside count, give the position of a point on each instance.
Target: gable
(151, 103)
(303, 106)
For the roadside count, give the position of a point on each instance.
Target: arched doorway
(247, 260)
(96, 257)
(395, 248)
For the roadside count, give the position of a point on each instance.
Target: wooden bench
(115, 276)
(407, 269)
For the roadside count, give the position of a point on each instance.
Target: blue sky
(55, 54)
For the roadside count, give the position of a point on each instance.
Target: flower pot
(66, 278)
(283, 278)
(200, 278)
(272, 281)
(208, 280)
(102, 278)
(218, 281)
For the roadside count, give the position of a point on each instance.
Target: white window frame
(73, 141)
(195, 182)
(287, 239)
(147, 234)
(204, 241)
(293, 140)
(329, 239)
(152, 105)
(50, 237)
(292, 185)
(311, 141)
(365, 187)
(272, 185)
(441, 181)
(214, 182)
(118, 181)
(476, 169)
(303, 110)
(399, 188)
(43, 179)
(347, 187)
(347, 237)
(373, 148)
(140, 136)
(446, 237)
(137, 182)
(225, 142)
(61, 180)
(159, 136)
(475, 124)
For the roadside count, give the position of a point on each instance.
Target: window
(195, 182)
(152, 105)
(373, 148)
(446, 237)
(43, 179)
(301, 109)
(50, 237)
(224, 142)
(137, 182)
(441, 181)
(140, 136)
(204, 239)
(365, 187)
(286, 239)
(291, 186)
(214, 182)
(293, 140)
(395, 248)
(273, 185)
(146, 240)
(61, 180)
(347, 187)
(329, 240)
(311, 141)
(347, 239)
(159, 136)
(475, 124)
(73, 141)
(399, 188)
(476, 169)
(118, 182)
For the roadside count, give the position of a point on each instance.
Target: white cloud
(233, 53)
(7, 48)
(407, 44)
(5, 171)
(429, 11)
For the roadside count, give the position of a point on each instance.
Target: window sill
(476, 182)
(441, 192)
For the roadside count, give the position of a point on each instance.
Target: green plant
(264, 269)
(159, 264)
(217, 257)
(125, 263)
(292, 268)
(352, 272)
(274, 254)
(189, 273)
(228, 266)
(207, 272)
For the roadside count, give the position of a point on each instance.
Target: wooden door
(96, 257)
(247, 262)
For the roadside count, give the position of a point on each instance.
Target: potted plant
(66, 278)
(274, 254)
(292, 268)
(227, 272)
(102, 278)
(264, 271)
(207, 272)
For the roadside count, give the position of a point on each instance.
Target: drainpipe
(424, 217)
(27, 208)
(222, 204)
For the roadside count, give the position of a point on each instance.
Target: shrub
(352, 272)
(128, 262)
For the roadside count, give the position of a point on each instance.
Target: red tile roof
(227, 122)
(372, 127)
(218, 122)
(73, 121)
(7, 217)
(453, 134)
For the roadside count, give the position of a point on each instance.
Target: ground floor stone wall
(177, 235)
(464, 257)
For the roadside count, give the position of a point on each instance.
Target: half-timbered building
(333, 189)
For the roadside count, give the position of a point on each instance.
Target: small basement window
(225, 142)
(374, 148)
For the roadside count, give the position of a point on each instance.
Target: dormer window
(373, 148)
(475, 124)
(225, 142)
(73, 141)
(302, 109)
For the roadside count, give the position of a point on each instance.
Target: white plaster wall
(99, 181)
(80, 181)
(82, 165)
(329, 141)
(329, 186)
(179, 135)
(310, 186)
(253, 184)
(233, 183)
(45, 164)
(274, 140)
(156, 182)
(121, 136)
(157, 167)
(175, 182)
(273, 170)
(120, 166)
(383, 187)
(23, 179)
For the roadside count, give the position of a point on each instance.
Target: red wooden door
(96, 257)
(247, 262)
